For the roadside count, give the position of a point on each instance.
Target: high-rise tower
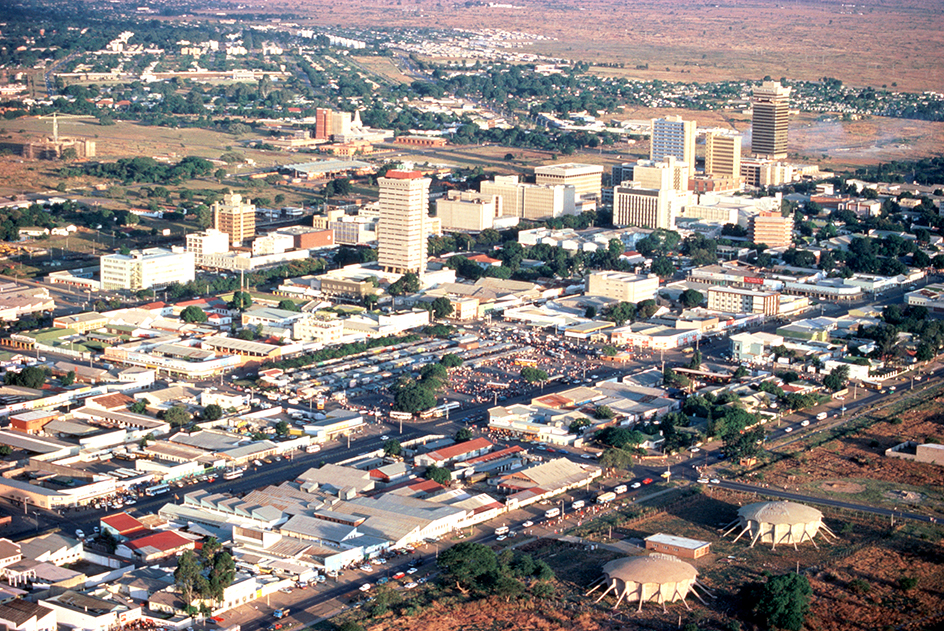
(401, 232)
(771, 120)
(723, 155)
(672, 136)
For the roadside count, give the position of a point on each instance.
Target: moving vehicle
(647, 481)
(606, 498)
(501, 530)
(551, 513)
(578, 504)
(804, 423)
(527, 524)
(157, 490)
(620, 489)
(822, 416)
(233, 474)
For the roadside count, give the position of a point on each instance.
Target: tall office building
(644, 207)
(770, 121)
(404, 206)
(723, 155)
(672, 136)
(322, 123)
(235, 217)
(587, 179)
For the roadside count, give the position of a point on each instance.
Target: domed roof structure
(779, 522)
(658, 577)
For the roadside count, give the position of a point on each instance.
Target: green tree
(533, 375)
(740, 372)
(464, 434)
(413, 398)
(30, 377)
(177, 416)
(695, 363)
(451, 360)
(281, 428)
(603, 412)
(672, 378)
(691, 298)
(409, 283)
(188, 576)
(837, 379)
(5, 450)
(469, 565)
(614, 458)
(392, 447)
(442, 307)
(242, 300)
(620, 313)
(212, 412)
(193, 314)
(439, 474)
(620, 437)
(288, 305)
(138, 407)
(69, 378)
(663, 267)
(782, 602)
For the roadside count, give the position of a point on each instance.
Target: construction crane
(55, 116)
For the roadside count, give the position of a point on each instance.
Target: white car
(715, 481)
(695, 450)
(412, 570)
(500, 538)
(635, 485)
(365, 587)
(385, 437)
(527, 524)
(788, 429)
(703, 480)
(410, 585)
(804, 423)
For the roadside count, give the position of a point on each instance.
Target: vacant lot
(861, 44)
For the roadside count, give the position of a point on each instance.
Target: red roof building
(157, 545)
(122, 525)
(454, 453)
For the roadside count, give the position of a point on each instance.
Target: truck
(619, 490)
(280, 613)
(606, 498)
(551, 513)
(501, 530)
(822, 416)
(578, 504)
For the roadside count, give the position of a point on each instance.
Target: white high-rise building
(672, 136)
(143, 269)
(534, 202)
(401, 232)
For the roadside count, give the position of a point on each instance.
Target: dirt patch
(906, 497)
(842, 487)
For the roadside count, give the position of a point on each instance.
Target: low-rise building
(143, 269)
(731, 300)
(622, 286)
(677, 546)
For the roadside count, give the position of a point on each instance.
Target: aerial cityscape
(388, 315)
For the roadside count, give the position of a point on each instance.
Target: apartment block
(468, 210)
(622, 286)
(723, 155)
(772, 229)
(672, 136)
(729, 300)
(235, 217)
(587, 179)
(142, 269)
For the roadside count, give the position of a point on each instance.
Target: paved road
(810, 499)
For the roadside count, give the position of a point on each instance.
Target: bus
(578, 504)
(606, 498)
(157, 490)
(232, 474)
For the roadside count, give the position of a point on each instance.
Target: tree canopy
(782, 602)
(193, 314)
